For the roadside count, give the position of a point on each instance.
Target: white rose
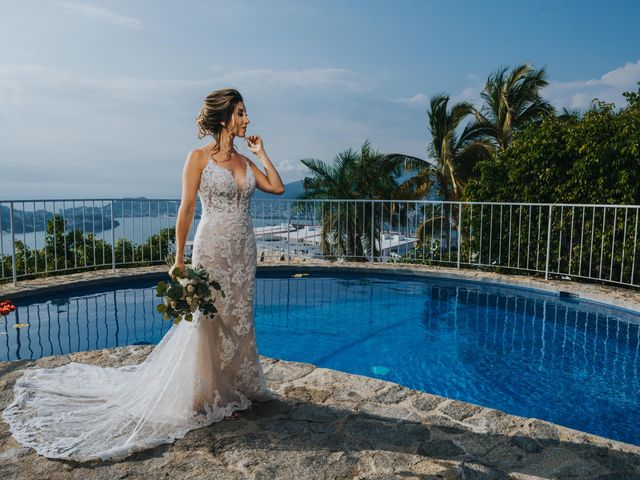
(190, 288)
(183, 281)
(174, 304)
(166, 301)
(189, 299)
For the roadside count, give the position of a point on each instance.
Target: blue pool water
(528, 353)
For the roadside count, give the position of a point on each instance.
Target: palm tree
(350, 226)
(512, 100)
(454, 154)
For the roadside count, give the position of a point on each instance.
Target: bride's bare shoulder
(196, 159)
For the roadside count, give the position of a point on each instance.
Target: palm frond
(512, 99)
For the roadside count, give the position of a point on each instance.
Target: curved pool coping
(626, 302)
(380, 427)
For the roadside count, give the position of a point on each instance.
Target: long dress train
(200, 371)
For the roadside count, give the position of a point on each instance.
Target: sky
(98, 99)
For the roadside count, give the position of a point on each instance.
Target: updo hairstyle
(218, 107)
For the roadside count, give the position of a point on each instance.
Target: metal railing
(577, 241)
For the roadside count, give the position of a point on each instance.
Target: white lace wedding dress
(200, 372)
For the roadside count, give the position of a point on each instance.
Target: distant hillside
(87, 218)
(291, 190)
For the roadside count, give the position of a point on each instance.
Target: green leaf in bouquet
(188, 317)
(196, 272)
(182, 305)
(204, 293)
(175, 291)
(166, 316)
(215, 285)
(209, 309)
(161, 308)
(161, 288)
(177, 273)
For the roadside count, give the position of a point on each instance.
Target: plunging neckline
(240, 190)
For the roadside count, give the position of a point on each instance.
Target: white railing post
(459, 230)
(373, 242)
(288, 232)
(13, 245)
(113, 241)
(546, 268)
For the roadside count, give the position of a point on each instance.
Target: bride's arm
(190, 184)
(271, 182)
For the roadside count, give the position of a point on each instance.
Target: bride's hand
(179, 265)
(254, 143)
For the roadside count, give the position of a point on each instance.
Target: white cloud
(99, 13)
(572, 94)
(418, 100)
(46, 86)
(323, 78)
(468, 94)
(290, 169)
(421, 100)
(623, 77)
(609, 88)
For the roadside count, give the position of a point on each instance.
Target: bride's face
(239, 121)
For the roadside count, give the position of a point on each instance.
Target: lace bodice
(219, 189)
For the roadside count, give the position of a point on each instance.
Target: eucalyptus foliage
(188, 291)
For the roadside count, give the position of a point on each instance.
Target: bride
(201, 371)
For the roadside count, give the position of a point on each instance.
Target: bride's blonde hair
(218, 107)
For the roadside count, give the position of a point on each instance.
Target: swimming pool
(526, 352)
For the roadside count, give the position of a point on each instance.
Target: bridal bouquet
(185, 293)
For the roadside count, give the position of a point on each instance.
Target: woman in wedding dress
(201, 371)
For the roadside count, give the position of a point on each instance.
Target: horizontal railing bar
(336, 200)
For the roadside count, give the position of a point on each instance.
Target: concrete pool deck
(327, 424)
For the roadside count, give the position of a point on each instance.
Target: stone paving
(332, 425)
(326, 424)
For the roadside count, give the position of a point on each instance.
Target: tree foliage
(512, 101)
(593, 158)
(75, 250)
(348, 228)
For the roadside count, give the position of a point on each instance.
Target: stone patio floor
(332, 425)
